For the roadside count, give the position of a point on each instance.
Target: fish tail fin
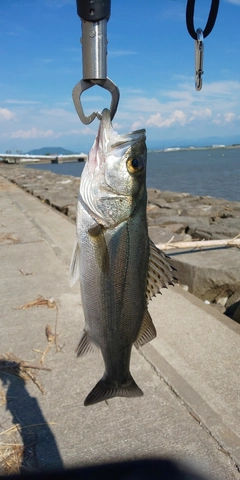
(104, 390)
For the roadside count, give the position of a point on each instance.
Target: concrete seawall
(189, 373)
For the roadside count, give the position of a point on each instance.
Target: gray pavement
(189, 374)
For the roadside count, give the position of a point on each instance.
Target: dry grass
(11, 454)
(44, 302)
(8, 236)
(12, 365)
(39, 302)
(14, 455)
(25, 274)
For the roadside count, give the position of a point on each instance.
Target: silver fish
(120, 269)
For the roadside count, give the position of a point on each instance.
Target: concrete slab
(61, 431)
(209, 272)
(201, 347)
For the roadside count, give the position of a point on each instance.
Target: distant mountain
(51, 151)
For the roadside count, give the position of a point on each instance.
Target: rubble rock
(209, 273)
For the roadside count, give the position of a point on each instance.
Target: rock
(235, 298)
(153, 195)
(72, 211)
(176, 228)
(209, 273)
(221, 300)
(203, 211)
(173, 196)
(162, 235)
(155, 213)
(212, 231)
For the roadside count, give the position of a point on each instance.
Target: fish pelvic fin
(160, 271)
(74, 272)
(147, 331)
(104, 390)
(85, 346)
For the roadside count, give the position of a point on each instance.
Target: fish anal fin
(147, 331)
(104, 390)
(74, 272)
(85, 346)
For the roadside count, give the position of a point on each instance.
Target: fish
(119, 267)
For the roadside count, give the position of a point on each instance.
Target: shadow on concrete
(40, 447)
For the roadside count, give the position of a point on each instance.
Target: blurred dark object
(138, 470)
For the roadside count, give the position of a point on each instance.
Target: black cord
(210, 22)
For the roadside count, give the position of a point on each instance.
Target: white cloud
(224, 119)
(229, 117)
(20, 102)
(6, 114)
(32, 133)
(159, 121)
(184, 106)
(200, 114)
(234, 2)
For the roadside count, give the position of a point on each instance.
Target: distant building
(171, 149)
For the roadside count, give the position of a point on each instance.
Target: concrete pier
(189, 374)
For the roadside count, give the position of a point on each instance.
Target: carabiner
(199, 35)
(84, 85)
(199, 50)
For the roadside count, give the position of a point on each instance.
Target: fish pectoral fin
(160, 271)
(74, 272)
(104, 390)
(147, 331)
(95, 231)
(85, 345)
(98, 241)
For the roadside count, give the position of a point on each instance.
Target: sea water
(214, 171)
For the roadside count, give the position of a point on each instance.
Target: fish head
(114, 177)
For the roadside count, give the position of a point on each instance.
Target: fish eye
(134, 164)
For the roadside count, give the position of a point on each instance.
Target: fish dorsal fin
(147, 331)
(159, 271)
(74, 272)
(85, 345)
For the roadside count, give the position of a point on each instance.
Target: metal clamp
(84, 85)
(94, 16)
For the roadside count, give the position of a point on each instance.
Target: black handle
(93, 10)
(210, 22)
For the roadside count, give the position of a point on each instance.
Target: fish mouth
(108, 139)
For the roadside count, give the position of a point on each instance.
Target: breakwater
(171, 216)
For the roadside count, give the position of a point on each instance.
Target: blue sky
(150, 58)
